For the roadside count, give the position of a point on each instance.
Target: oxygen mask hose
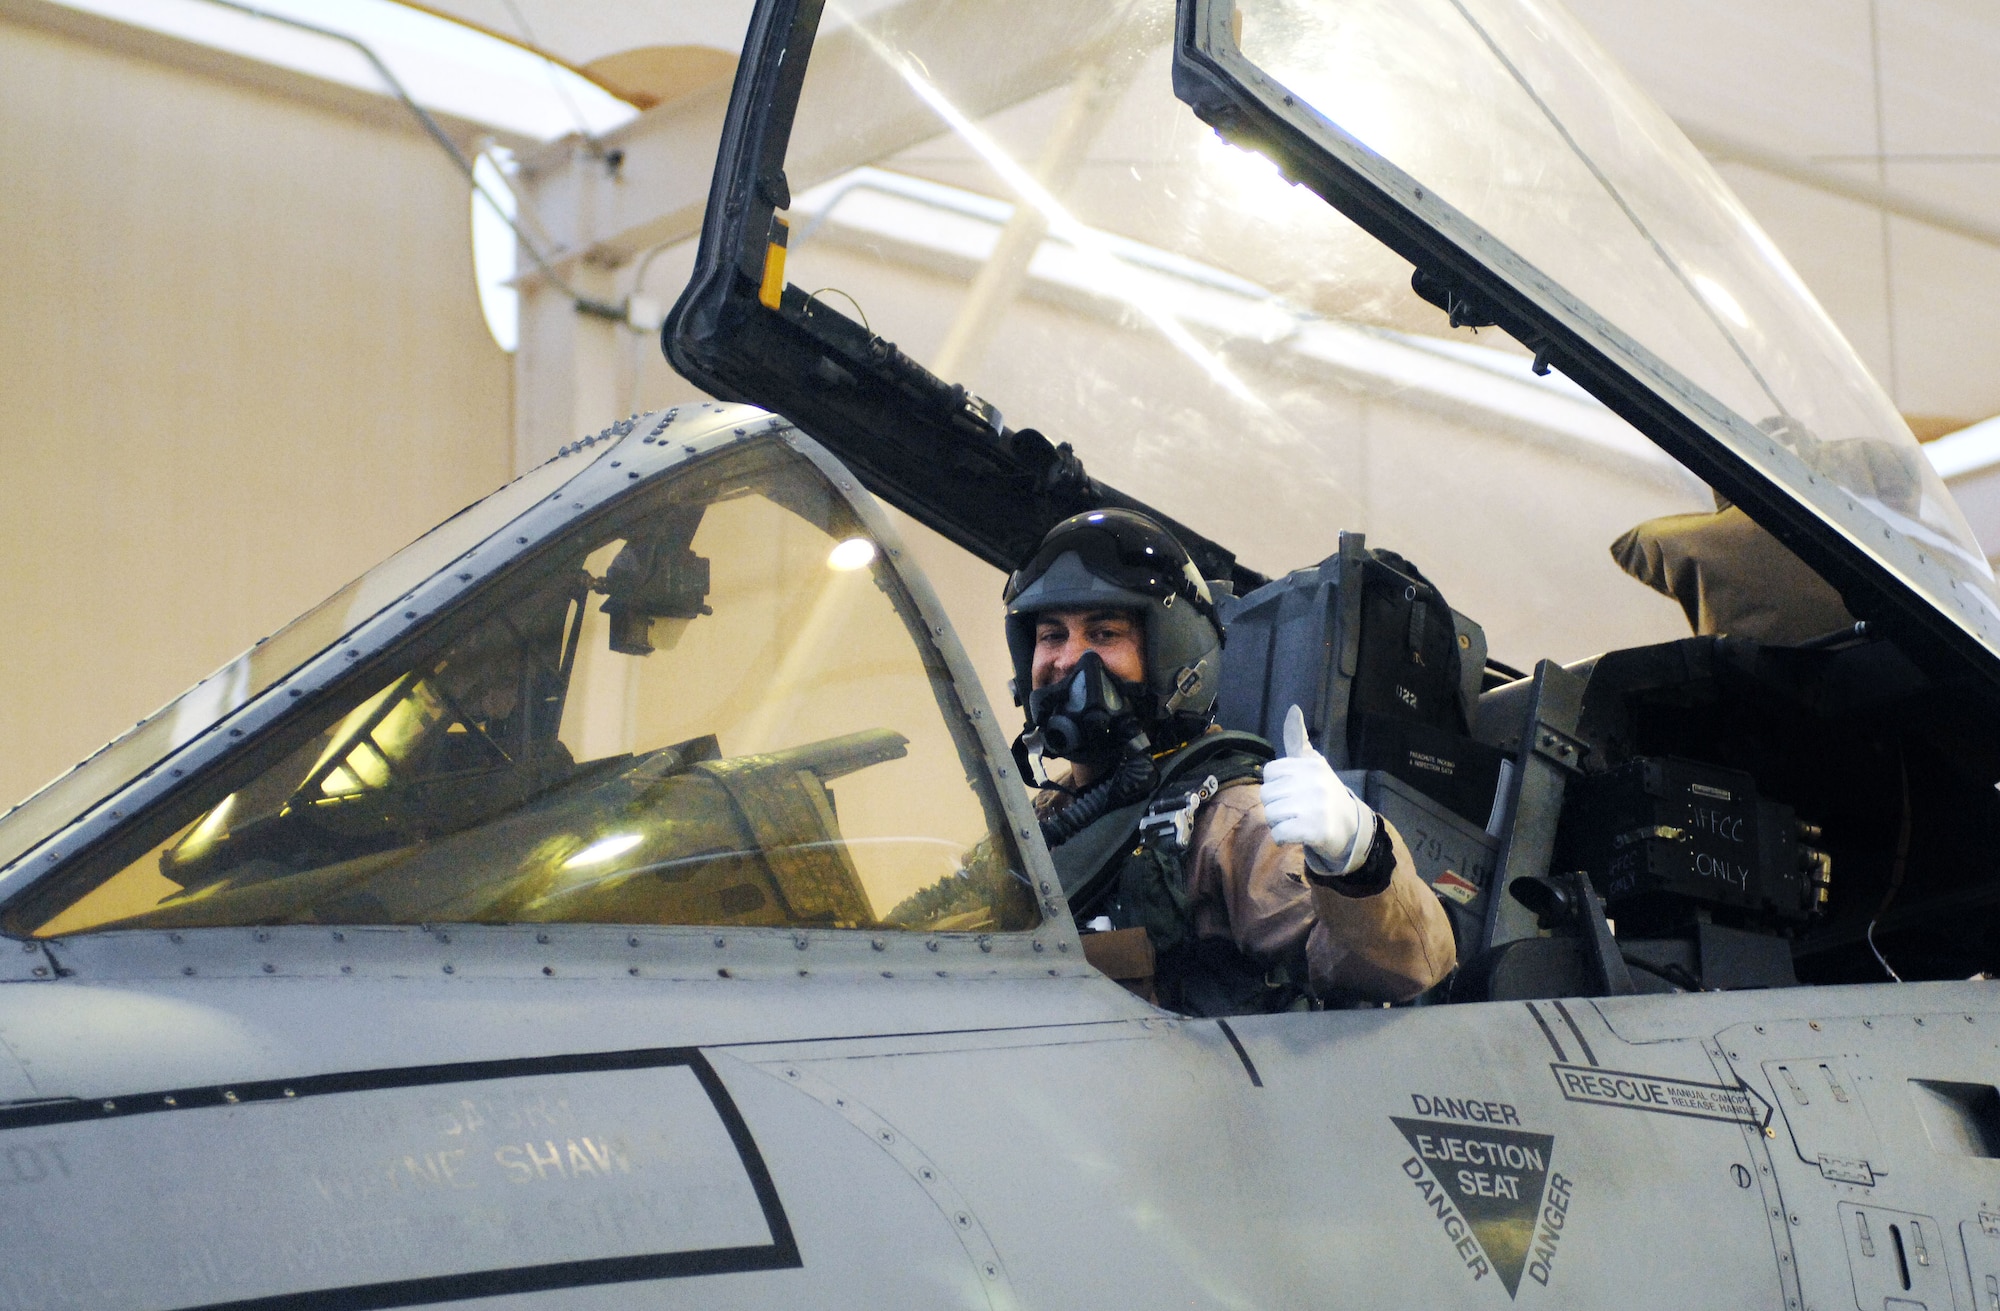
(1133, 780)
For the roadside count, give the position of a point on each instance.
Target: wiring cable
(597, 149)
(641, 334)
(584, 304)
(1897, 871)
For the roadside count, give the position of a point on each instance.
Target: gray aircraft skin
(362, 977)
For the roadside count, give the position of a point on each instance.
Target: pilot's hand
(1305, 802)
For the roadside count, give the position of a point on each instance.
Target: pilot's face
(1062, 636)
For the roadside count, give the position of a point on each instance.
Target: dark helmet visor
(1121, 548)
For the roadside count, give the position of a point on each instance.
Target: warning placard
(1485, 1180)
(1658, 1094)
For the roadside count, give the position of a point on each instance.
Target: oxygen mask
(1089, 715)
(1089, 712)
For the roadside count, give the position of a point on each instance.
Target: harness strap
(1090, 862)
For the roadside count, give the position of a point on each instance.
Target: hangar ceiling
(1859, 132)
(1864, 135)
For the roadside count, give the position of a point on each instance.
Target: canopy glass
(717, 706)
(1502, 126)
(1011, 193)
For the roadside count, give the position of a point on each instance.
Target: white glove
(1305, 802)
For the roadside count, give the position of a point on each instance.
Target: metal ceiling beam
(1730, 150)
(656, 193)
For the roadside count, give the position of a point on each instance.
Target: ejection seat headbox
(1387, 674)
(1385, 671)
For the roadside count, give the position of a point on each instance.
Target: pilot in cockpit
(1242, 883)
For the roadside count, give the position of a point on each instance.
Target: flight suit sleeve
(1389, 946)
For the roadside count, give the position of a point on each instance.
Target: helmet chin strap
(1028, 754)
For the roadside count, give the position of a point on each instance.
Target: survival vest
(1131, 865)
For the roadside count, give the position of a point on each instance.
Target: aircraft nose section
(21, 963)
(136, 1041)
(15, 1086)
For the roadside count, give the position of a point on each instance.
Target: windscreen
(202, 706)
(1508, 112)
(1010, 192)
(719, 707)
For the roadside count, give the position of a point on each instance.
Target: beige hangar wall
(241, 359)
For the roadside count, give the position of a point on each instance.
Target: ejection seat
(1467, 758)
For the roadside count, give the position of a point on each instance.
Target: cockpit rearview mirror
(651, 580)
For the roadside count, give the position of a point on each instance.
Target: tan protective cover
(1125, 956)
(1731, 576)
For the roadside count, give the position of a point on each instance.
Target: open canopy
(1492, 146)
(1499, 148)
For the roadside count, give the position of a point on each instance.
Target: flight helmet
(1122, 559)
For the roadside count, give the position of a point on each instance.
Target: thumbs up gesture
(1305, 802)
